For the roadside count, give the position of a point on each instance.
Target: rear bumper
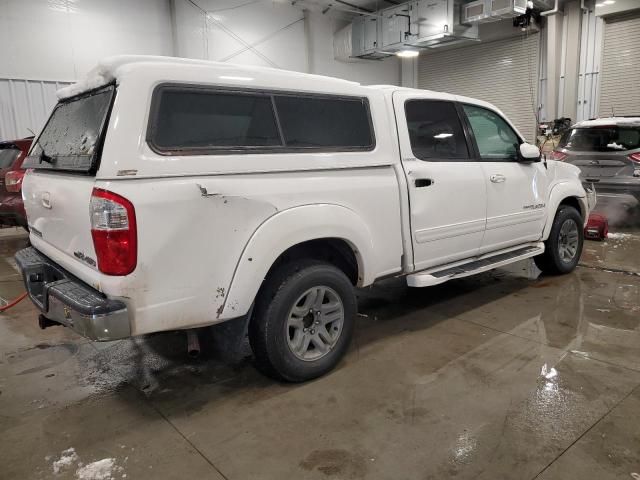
(64, 299)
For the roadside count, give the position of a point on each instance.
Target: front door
(516, 191)
(447, 191)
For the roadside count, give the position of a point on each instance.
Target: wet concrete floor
(506, 375)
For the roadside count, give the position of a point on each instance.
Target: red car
(12, 154)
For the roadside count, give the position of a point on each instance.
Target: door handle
(423, 182)
(498, 178)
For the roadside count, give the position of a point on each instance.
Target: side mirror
(528, 153)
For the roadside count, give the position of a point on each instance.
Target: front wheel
(564, 245)
(303, 321)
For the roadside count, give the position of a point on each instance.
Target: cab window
(435, 131)
(496, 140)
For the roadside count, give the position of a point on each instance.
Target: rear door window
(200, 119)
(71, 139)
(324, 122)
(601, 139)
(435, 130)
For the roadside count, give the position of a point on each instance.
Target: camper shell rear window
(197, 120)
(73, 136)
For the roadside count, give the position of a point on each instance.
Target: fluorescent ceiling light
(609, 2)
(408, 53)
(443, 135)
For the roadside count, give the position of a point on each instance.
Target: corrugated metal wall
(504, 73)
(25, 106)
(620, 83)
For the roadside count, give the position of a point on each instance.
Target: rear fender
(286, 229)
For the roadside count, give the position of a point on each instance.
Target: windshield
(72, 135)
(601, 139)
(8, 156)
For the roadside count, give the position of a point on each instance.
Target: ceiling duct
(421, 24)
(417, 24)
(438, 23)
(484, 11)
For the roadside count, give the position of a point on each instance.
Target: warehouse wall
(263, 33)
(61, 40)
(46, 44)
(273, 35)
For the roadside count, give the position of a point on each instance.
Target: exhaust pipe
(44, 322)
(193, 343)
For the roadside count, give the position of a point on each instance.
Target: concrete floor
(504, 375)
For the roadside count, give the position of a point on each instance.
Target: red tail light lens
(635, 157)
(559, 156)
(13, 180)
(114, 232)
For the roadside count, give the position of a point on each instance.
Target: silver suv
(607, 151)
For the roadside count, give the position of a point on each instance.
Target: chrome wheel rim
(568, 240)
(315, 323)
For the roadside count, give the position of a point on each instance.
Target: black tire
(268, 331)
(551, 261)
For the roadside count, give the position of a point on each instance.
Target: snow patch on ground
(101, 470)
(105, 469)
(67, 458)
(619, 236)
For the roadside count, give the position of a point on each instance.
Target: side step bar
(444, 273)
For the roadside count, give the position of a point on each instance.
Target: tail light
(559, 156)
(634, 157)
(13, 180)
(113, 228)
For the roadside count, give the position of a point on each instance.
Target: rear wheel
(303, 321)
(564, 245)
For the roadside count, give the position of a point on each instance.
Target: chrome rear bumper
(66, 300)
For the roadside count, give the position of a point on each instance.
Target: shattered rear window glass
(72, 134)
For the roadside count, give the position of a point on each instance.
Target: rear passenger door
(447, 191)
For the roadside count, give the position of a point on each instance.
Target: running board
(444, 273)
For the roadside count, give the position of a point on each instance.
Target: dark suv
(607, 151)
(12, 154)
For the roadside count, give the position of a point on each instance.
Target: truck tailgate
(57, 206)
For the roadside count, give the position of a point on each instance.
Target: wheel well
(572, 202)
(335, 251)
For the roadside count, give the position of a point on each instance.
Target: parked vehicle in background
(184, 193)
(12, 155)
(607, 151)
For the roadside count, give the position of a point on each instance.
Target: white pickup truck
(168, 194)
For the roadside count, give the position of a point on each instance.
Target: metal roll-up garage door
(620, 83)
(504, 73)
